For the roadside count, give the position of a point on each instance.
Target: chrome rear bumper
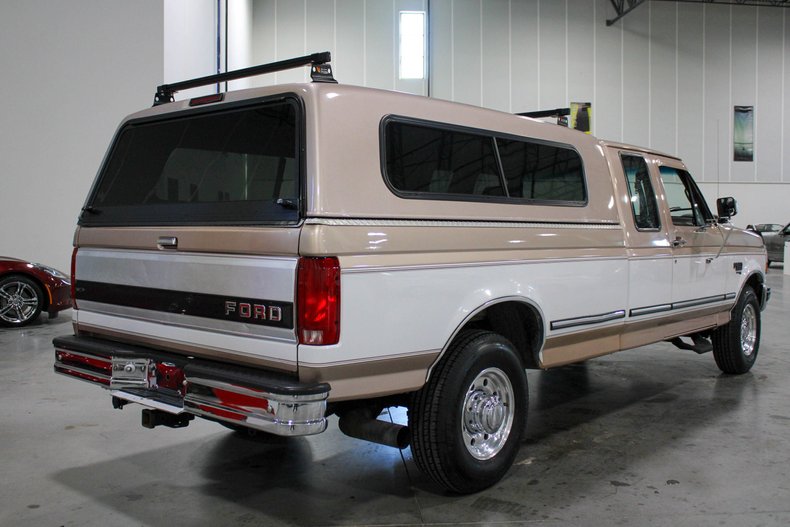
(257, 399)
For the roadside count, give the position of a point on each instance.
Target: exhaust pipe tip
(361, 423)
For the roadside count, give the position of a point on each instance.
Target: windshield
(235, 166)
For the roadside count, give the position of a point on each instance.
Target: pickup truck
(267, 258)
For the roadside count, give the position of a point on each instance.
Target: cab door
(699, 269)
(650, 256)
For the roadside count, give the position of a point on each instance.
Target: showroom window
(411, 45)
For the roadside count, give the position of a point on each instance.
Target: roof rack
(557, 112)
(320, 71)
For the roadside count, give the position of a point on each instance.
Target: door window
(686, 204)
(641, 193)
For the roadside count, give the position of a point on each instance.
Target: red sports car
(27, 289)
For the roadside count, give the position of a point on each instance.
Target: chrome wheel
(466, 422)
(487, 413)
(19, 302)
(736, 344)
(748, 329)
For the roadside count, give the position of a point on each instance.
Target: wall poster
(743, 134)
(581, 116)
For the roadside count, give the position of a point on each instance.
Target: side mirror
(726, 207)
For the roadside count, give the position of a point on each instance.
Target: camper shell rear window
(428, 160)
(230, 166)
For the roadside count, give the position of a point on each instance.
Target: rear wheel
(735, 344)
(466, 422)
(21, 300)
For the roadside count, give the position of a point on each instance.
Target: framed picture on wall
(743, 133)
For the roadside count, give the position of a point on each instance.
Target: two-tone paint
(415, 271)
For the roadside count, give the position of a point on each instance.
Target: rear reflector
(318, 301)
(74, 279)
(89, 368)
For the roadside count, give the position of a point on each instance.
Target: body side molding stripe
(649, 310)
(587, 320)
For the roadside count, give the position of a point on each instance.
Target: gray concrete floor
(653, 437)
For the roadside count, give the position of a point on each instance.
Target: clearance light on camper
(318, 301)
(207, 99)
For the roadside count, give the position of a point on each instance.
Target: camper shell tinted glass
(437, 161)
(229, 166)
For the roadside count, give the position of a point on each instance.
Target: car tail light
(318, 301)
(74, 279)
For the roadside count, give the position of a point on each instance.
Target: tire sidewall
(488, 350)
(743, 361)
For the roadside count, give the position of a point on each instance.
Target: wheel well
(518, 322)
(39, 283)
(755, 281)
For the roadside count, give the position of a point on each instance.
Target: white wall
(362, 36)
(71, 71)
(239, 41)
(190, 43)
(665, 76)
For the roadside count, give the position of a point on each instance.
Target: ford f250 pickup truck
(266, 258)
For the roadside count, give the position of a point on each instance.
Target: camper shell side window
(429, 160)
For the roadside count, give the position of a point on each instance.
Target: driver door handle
(678, 242)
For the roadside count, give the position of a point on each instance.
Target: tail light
(318, 301)
(74, 279)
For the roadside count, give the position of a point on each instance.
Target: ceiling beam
(623, 7)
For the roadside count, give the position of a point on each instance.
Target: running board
(701, 344)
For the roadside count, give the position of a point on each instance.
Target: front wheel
(466, 422)
(735, 344)
(21, 301)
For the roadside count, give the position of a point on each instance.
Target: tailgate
(223, 306)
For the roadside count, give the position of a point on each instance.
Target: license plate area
(132, 373)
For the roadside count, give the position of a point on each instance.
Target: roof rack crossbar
(320, 72)
(557, 112)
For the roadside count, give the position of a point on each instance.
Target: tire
(21, 301)
(735, 345)
(467, 421)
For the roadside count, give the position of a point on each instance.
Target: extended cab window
(640, 192)
(228, 167)
(686, 204)
(426, 160)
